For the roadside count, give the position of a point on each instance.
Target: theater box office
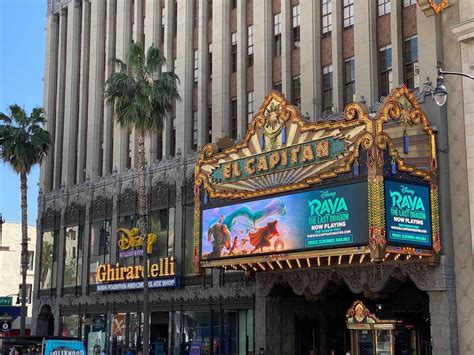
(287, 235)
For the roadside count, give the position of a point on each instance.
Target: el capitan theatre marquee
(295, 193)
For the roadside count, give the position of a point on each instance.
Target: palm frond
(119, 65)
(18, 114)
(5, 118)
(23, 141)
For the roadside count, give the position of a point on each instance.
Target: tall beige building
(229, 54)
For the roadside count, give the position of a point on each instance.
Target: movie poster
(316, 219)
(408, 214)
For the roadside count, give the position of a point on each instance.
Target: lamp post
(440, 93)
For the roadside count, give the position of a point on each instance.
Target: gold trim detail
(435, 218)
(376, 213)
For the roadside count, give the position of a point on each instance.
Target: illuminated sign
(116, 277)
(278, 160)
(130, 239)
(408, 216)
(324, 218)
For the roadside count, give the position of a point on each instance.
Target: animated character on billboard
(219, 234)
(261, 238)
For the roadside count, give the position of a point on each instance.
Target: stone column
(96, 89)
(260, 322)
(124, 37)
(310, 57)
(429, 45)
(83, 92)
(337, 59)
(168, 52)
(203, 76)
(49, 96)
(365, 52)
(241, 67)
(443, 320)
(71, 102)
(461, 152)
(287, 47)
(137, 35)
(60, 256)
(152, 27)
(87, 243)
(221, 69)
(59, 131)
(184, 70)
(110, 39)
(397, 42)
(263, 51)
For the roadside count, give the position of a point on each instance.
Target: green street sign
(5, 301)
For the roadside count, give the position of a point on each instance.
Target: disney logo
(326, 194)
(406, 190)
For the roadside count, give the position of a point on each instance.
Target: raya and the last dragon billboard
(315, 219)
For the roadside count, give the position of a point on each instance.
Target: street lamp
(440, 93)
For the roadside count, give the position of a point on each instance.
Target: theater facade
(304, 235)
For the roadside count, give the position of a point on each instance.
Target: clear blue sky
(22, 42)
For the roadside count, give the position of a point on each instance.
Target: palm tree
(23, 144)
(142, 94)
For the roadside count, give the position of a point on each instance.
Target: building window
(296, 91)
(209, 61)
(249, 106)
(175, 18)
(209, 9)
(327, 89)
(209, 122)
(411, 63)
(159, 145)
(407, 3)
(349, 81)
(233, 4)
(99, 252)
(384, 7)
(195, 67)
(195, 130)
(31, 262)
(73, 254)
(48, 260)
(385, 70)
(28, 293)
(296, 26)
(196, 13)
(277, 86)
(233, 118)
(158, 224)
(234, 52)
(348, 13)
(326, 10)
(277, 35)
(173, 138)
(162, 34)
(250, 46)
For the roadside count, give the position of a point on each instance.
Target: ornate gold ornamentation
(435, 218)
(432, 7)
(376, 212)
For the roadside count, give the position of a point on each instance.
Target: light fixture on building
(440, 93)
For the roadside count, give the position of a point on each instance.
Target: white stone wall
(10, 260)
